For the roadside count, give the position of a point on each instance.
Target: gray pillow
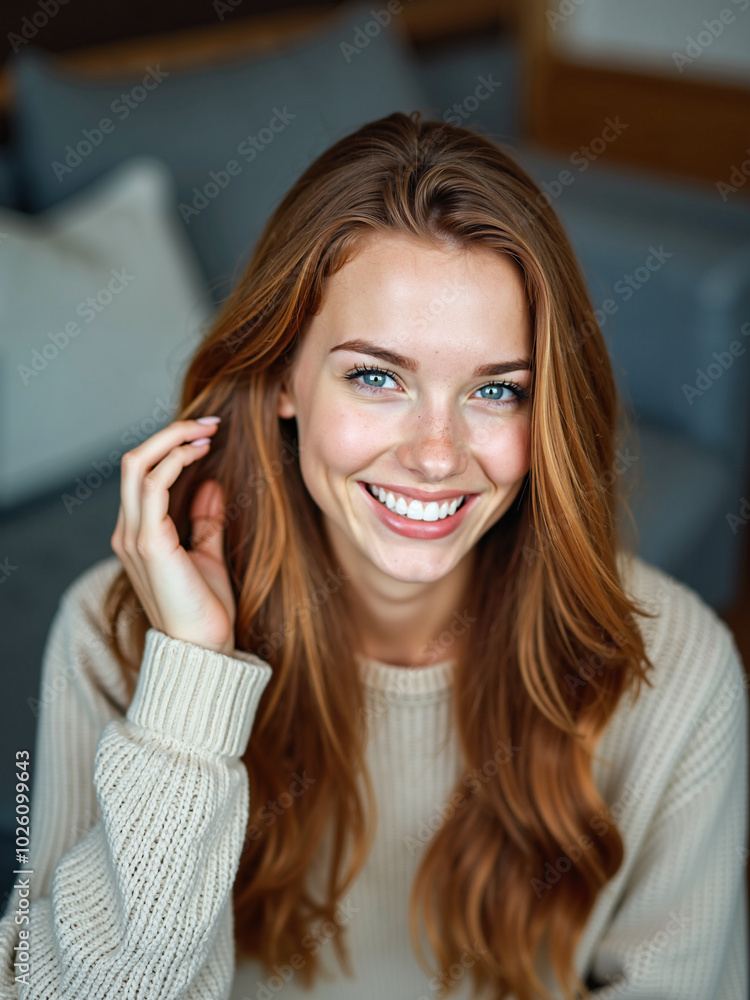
(101, 306)
(235, 137)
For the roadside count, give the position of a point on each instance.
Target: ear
(285, 404)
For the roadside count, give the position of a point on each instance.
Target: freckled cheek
(506, 459)
(345, 442)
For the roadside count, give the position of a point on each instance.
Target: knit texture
(139, 813)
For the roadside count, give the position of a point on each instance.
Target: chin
(416, 570)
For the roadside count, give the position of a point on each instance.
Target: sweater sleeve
(680, 932)
(140, 905)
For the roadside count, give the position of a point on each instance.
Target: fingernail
(208, 420)
(201, 441)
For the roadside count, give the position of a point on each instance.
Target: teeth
(414, 509)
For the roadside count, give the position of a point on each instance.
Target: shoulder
(696, 696)
(689, 645)
(671, 768)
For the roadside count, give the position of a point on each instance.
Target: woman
(372, 653)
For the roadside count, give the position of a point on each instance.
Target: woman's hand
(186, 595)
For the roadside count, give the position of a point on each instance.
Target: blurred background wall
(642, 35)
(143, 146)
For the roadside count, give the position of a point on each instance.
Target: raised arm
(141, 904)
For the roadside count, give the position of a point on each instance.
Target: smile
(411, 518)
(416, 510)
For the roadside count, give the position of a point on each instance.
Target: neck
(413, 625)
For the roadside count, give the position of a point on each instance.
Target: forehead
(403, 257)
(399, 277)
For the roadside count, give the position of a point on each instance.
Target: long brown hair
(547, 594)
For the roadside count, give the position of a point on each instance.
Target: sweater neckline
(399, 680)
(405, 683)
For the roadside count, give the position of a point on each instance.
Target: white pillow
(102, 303)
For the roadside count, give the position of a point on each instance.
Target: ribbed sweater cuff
(201, 697)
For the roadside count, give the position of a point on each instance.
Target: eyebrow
(392, 358)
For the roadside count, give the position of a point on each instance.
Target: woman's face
(445, 324)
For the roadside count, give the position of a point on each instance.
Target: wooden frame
(682, 127)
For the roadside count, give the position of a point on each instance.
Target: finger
(140, 583)
(157, 530)
(138, 462)
(156, 526)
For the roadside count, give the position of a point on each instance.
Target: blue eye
(517, 391)
(519, 394)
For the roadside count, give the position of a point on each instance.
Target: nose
(433, 448)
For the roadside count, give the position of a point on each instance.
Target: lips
(414, 528)
(424, 496)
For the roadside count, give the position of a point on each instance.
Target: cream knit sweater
(139, 812)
